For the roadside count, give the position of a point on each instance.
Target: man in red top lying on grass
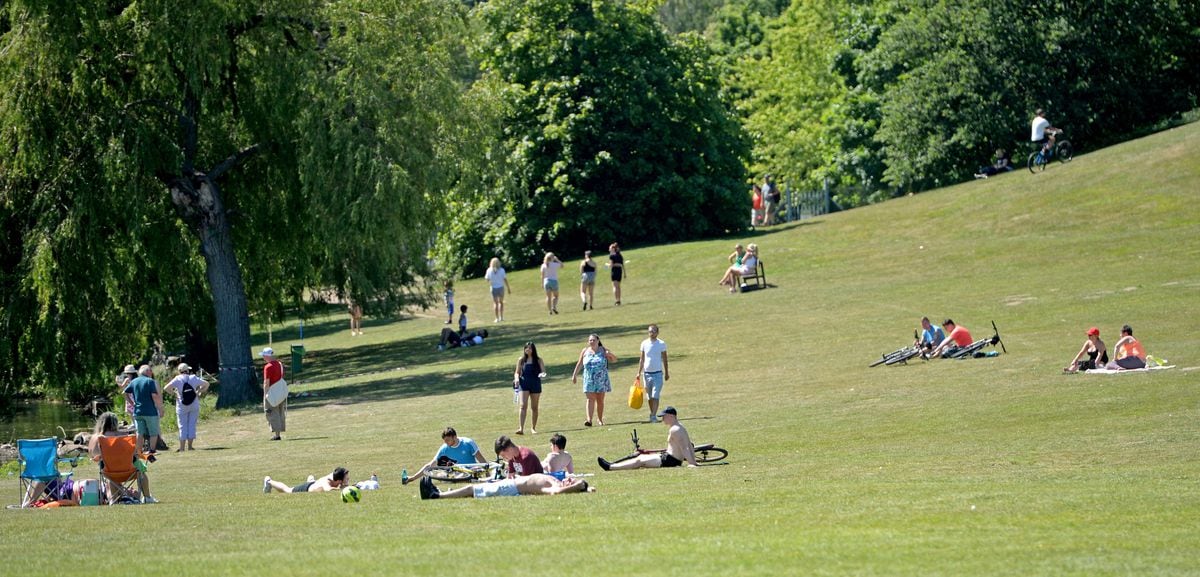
(521, 460)
(956, 337)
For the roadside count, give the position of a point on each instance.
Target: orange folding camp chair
(120, 469)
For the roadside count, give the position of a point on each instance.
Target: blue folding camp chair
(39, 467)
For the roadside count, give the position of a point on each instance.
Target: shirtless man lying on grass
(537, 484)
(332, 482)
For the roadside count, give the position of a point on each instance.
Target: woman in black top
(1093, 347)
(528, 379)
(616, 263)
(587, 280)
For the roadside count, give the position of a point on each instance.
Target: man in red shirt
(956, 337)
(521, 460)
(272, 374)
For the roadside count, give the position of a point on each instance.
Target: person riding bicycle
(1042, 133)
(679, 449)
(455, 450)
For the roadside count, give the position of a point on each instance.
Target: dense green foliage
(910, 95)
(156, 153)
(612, 131)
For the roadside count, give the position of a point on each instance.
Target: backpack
(187, 394)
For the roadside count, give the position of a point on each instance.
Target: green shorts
(146, 426)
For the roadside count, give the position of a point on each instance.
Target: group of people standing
(497, 279)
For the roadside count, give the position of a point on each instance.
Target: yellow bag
(636, 392)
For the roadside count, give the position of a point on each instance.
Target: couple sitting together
(1128, 350)
(743, 262)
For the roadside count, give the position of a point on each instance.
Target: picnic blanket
(1122, 371)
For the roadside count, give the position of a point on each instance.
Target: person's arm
(666, 369)
(479, 458)
(570, 465)
(641, 368)
(94, 448)
(609, 355)
(578, 364)
(517, 371)
(541, 368)
(157, 396)
(1082, 351)
(203, 388)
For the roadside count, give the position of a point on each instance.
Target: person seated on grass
(559, 460)
(1129, 352)
(931, 336)
(679, 449)
(521, 460)
(455, 450)
(733, 274)
(451, 339)
(1093, 349)
(1002, 163)
(334, 481)
(538, 484)
(957, 337)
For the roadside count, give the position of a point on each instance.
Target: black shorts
(531, 386)
(670, 461)
(617, 273)
(302, 487)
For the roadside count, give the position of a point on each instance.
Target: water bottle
(403, 477)
(516, 394)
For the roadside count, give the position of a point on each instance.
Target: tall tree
(284, 143)
(612, 130)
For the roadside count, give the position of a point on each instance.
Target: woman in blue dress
(527, 378)
(594, 360)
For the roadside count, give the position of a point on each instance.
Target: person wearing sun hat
(123, 379)
(188, 389)
(272, 374)
(1093, 347)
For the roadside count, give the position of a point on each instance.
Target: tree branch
(233, 161)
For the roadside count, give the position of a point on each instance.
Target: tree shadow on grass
(320, 327)
(507, 341)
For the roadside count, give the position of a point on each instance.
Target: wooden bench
(755, 281)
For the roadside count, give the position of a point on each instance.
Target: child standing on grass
(559, 459)
(449, 296)
(462, 320)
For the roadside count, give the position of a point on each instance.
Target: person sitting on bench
(733, 274)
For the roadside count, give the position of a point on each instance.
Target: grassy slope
(997, 466)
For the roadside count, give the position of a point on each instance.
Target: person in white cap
(188, 389)
(273, 373)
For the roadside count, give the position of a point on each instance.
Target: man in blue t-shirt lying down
(455, 450)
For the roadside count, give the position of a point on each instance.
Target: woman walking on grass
(528, 379)
(587, 280)
(616, 264)
(594, 360)
(498, 280)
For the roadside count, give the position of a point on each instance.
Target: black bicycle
(973, 349)
(900, 356)
(1039, 158)
(707, 453)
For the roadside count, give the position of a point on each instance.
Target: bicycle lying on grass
(706, 453)
(972, 350)
(1039, 158)
(467, 472)
(900, 356)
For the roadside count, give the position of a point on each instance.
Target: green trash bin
(297, 359)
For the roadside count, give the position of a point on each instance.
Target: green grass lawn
(997, 466)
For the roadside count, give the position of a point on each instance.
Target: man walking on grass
(653, 369)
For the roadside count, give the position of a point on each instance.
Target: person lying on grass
(679, 449)
(537, 484)
(455, 450)
(334, 481)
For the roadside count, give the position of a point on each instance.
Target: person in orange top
(1128, 351)
(956, 337)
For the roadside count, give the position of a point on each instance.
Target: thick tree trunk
(199, 201)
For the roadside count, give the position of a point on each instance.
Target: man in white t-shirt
(1041, 132)
(653, 369)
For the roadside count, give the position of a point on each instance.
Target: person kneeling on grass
(334, 481)
(679, 449)
(538, 484)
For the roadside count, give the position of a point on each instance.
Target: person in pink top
(956, 337)
(521, 460)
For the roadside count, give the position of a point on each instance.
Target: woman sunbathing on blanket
(1093, 347)
(1129, 352)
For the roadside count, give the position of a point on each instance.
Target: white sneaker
(267, 484)
(148, 500)
(653, 419)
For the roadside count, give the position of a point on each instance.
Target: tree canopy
(612, 130)
(167, 164)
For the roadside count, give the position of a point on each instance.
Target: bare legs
(552, 301)
(595, 404)
(652, 461)
(498, 308)
(586, 294)
(529, 400)
(617, 291)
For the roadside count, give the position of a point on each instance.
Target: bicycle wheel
(449, 475)
(904, 357)
(710, 454)
(1063, 151)
(1036, 163)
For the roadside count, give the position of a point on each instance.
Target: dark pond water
(39, 419)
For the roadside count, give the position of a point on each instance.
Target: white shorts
(505, 488)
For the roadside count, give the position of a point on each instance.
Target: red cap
(1093, 332)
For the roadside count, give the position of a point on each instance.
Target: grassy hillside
(998, 466)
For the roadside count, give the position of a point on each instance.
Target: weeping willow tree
(162, 161)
